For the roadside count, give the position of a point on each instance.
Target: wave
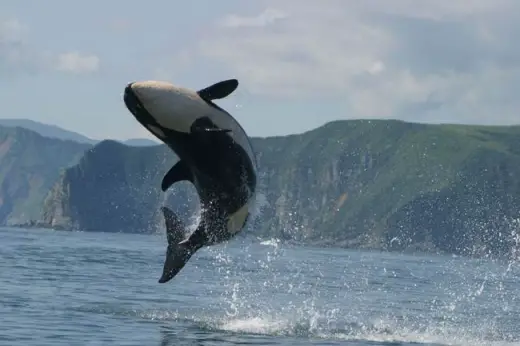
(310, 324)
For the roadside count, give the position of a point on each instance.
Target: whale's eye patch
(205, 125)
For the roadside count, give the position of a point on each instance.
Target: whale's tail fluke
(178, 252)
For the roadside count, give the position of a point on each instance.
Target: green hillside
(373, 184)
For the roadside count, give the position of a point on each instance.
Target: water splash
(282, 291)
(310, 311)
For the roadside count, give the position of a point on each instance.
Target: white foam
(275, 327)
(275, 242)
(255, 325)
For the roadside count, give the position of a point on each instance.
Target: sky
(300, 63)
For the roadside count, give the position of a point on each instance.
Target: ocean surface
(75, 288)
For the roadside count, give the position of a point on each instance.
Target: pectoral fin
(178, 172)
(218, 90)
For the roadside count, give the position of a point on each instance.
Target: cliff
(30, 165)
(114, 188)
(379, 184)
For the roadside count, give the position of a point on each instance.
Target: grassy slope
(364, 171)
(354, 183)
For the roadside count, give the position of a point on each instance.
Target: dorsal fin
(178, 172)
(218, 90)
(175, 230)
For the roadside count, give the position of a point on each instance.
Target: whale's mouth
(135, 106)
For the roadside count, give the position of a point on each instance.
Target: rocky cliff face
(30, 165)
(115, 188)
(370, 184)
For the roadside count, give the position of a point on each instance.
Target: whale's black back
(224, 170)
(224, 174)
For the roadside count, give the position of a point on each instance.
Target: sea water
(77, 288)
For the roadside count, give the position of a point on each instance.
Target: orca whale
(215, 155)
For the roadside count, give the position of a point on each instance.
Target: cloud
(12, 31)
(444, 60)
(18, 56)
(268, 16)
(13, 51)
(76, 62)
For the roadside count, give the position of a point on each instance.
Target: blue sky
(300, 63)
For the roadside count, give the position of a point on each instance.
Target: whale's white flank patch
(236, 221)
